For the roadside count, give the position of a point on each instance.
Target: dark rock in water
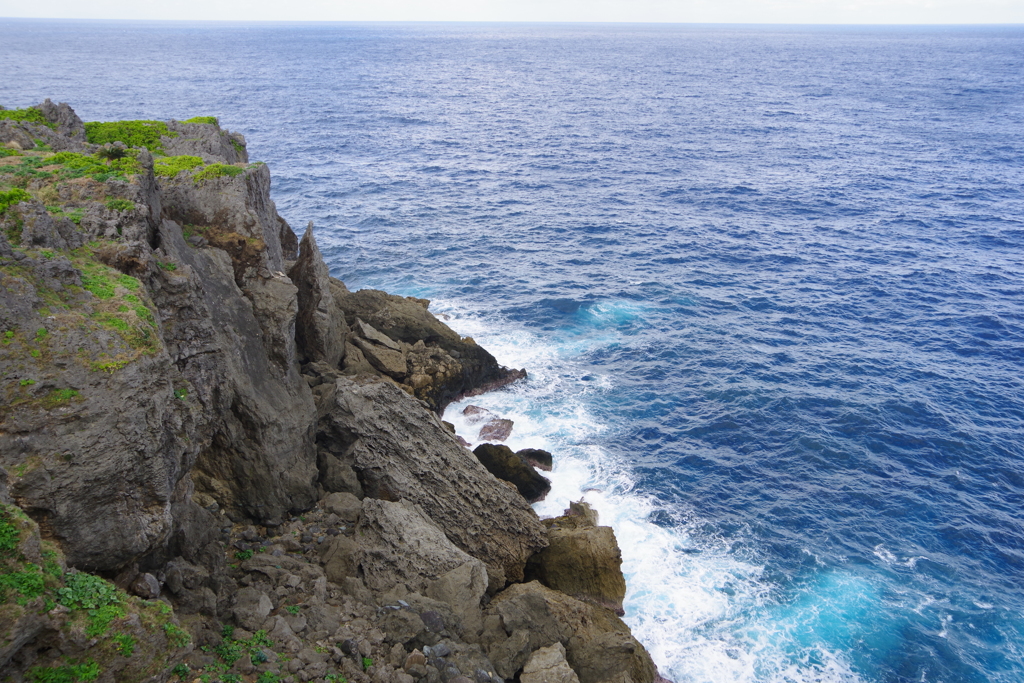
(504, 464)
(496, 430)
(582, 560)
(476, 414)
(538, 458)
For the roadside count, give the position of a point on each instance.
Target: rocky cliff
(218, 463)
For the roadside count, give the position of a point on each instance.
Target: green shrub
(78, 673)
(244, 554)
(86, 591)
(26, 584)
(29, 115)
(269, 677)
(172, 166)
(132, 133)
(217, 171)
(177, 636)
(125, 644)
(120, 204)
(12, 197)
(239, 147)
(180, 670)
(8, 152)
(202, 119)
(77, 165)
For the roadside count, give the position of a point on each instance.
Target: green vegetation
(239, 147)
(172, 166)
(177, 636)
(75, 216)
(180, 670)
(77, 673)
(270, 677)
(167, 265)
(9, 152)
(202, 119)
(29, 115)
(132, 133)
(120, 204)
(244, 554)
(100, 599)
(181, 393)
(293, 609)
(335, 678)
(125, 643)
(217, 171)
(12, 197)
(367, 663)
(59, 397)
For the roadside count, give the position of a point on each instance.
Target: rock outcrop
(513, 468)
(246, 455)
(582, 559)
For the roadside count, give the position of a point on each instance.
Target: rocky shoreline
(220, 464)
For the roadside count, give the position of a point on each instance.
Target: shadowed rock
(504, 464)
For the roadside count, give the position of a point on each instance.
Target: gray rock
(402, 451)
(146, 586)
(320, 328)
(388, 361)
(206, 140)
(540, 459)
(251, 608)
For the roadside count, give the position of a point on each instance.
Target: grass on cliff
(119, 626)
(29, 115)
(172, 166)
(132, 133)
(104, 325)
(64, 166)
(203, 119)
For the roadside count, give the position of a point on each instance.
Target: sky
(658, 11)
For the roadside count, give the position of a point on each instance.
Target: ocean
(768, 282)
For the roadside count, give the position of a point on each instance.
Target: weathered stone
(392, 363)
(548, 665)
(206, 140)
(584, 562)
(504, 464)
(146, 586)
(345, 505)
(599, 646)
(402, 451)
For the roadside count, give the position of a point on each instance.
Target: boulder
(251, 608)
(526, 617)
(401, 451)
(504, 464)
(343, 504)
(581, 560)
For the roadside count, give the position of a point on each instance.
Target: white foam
(706, 614)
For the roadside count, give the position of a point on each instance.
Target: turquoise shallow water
(768, 282)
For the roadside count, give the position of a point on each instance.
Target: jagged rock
(40, 230)
(402, 451)
(599, 646)
(582, 560)
(538, 458)
(68, 123)
(319, 327)
(392, 363)
(260, 458)
(444, 366)
(504, 464)
(548, 665)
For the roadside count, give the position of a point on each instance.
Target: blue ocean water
(768, 281)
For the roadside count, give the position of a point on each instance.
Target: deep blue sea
(768, 282)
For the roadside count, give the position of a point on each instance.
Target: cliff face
(179, 372)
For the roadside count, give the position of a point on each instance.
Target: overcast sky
(686, 11)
